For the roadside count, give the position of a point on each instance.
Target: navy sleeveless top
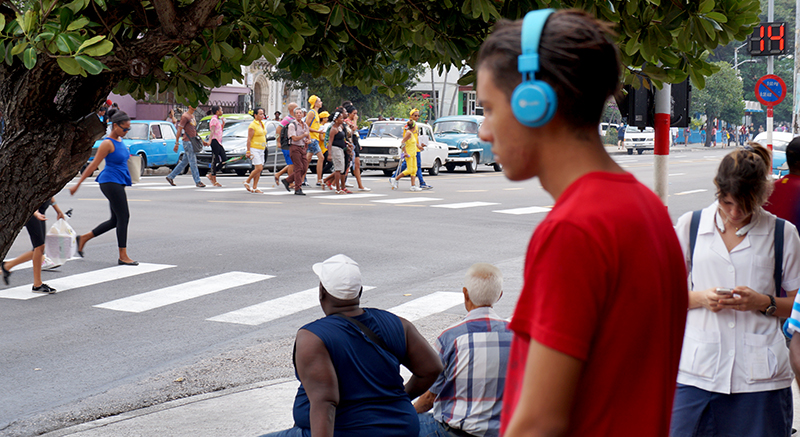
(372, 401)
(116, 169)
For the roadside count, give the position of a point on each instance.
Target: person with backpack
(734, 376)
(299, 138)
(283, 135)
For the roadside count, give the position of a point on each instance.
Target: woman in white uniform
(734, 376)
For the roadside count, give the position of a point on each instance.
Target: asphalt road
(226, 280)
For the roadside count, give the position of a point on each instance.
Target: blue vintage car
(460, 133)
(153, 141)
(779, 142)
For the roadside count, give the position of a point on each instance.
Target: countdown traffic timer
(769, 39)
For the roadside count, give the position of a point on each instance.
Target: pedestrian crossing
(414, 308)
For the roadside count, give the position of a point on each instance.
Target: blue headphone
(534, 102)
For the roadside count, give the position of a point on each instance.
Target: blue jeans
(430, 427)
(291, 432)
(190, 158)
(419, 170)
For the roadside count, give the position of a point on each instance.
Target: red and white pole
(769, 127)
(663, 101)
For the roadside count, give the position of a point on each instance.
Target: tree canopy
(722, 96)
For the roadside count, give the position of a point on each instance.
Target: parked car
(639, 139)
(460, 133)
(779, 142)
(152, 140)
(204, 129)
(603, 128)
(381, 149)
(234, 141)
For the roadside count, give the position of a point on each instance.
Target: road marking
(84, 280)
(180, 292)
(710, 156)
(428, 305)
(170, 187)
(288, 193)
(229, 190)
(512, 189)
(407, 200)
(463, 205)
(350, 196)
(245, 201)
(147, 184)
(347, 204)
(471, 191)
(520, 211)
(690, 192)
(274, 309)
(676, 174)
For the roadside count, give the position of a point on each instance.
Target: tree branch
(11, 6)
(201, 11)
(167, 17)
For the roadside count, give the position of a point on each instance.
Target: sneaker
(426, 187)
(394, 183)
(364, 189)
(48, 264)
(348, 184)
(6, 273)
(171, 181)
(44, 288)
(305, 184)
(200, 185)
(415, 188)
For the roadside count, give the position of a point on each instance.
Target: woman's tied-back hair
(576, 57)
(744, 174)
(117, 116)
(214, 109)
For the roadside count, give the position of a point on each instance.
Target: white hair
(484, 284)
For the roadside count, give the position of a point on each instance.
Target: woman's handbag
(197, 143)
(135, 168)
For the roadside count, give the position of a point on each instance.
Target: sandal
(247, 187)
(217, 184)
(341, 192)
(277, 181)
(257, 191)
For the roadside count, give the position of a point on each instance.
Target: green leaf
(90, 41)
(45, 36)
(2, 22)
(320, 9)
(2, 50)
(92, 66)
(227, 50)
(29, 58)
(267, 53)
(215, 53)
(205, 80)
(706, 6)
(75, 6)
(18, 48)
(28, 21)
(63, 43)
(78, 24)
(69, 65)
(718, 17)
(101, 3)
(337, 14)
(65, 17)
(99, 49)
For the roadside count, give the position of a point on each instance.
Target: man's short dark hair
(214, 109)
(793, 154)
(576, 57)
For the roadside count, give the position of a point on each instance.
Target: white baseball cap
(340, 276)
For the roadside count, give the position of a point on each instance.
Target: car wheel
(472, 166)
(630, 151)
(450, 167)
(387, 172)
(433, 171)
(144, 164)
(240, 172)
(497, 167)
(640, 151)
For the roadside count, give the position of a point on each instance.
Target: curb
(99, 423)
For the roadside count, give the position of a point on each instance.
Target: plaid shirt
(469, 392)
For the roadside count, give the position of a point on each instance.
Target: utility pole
(770, 70)
(663, 106)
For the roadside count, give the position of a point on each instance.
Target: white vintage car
(381, 149)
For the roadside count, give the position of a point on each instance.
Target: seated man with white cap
(348, 364)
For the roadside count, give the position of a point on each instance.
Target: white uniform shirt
(733, 351)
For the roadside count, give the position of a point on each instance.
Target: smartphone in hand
(724, 291)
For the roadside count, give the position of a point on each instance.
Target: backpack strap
(778, 272)
(693, 227)
(368, 332)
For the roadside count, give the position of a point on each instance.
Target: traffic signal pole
(663, 100)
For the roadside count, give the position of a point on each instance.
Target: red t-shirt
(605, 282)
(784, 202)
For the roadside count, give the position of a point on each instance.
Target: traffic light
(637, 105)
(681, 95)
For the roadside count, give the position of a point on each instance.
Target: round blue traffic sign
(770, 90)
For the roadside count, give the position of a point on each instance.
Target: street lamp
(736, 62)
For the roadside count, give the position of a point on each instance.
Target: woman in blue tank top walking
(113, 180)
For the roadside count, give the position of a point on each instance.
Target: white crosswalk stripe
(181, 292)
(169, 187)
(84, 280)
(288, 193)
(351, 196)
(463, 205)
(274, 309)
(521, 211)
(407, 200)
(428, 305)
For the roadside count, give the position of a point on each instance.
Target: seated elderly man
(468, 395)
(361, 348)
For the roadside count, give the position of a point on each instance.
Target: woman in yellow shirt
(256, 146)
(409, 144)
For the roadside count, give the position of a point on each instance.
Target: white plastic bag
(60, 242)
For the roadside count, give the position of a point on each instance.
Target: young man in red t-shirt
(600, 321)
(784, 201)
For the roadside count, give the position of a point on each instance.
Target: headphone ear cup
(534, 103)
